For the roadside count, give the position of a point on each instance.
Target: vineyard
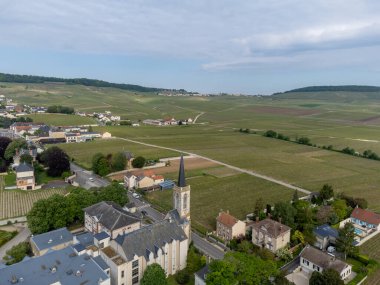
(16, 203)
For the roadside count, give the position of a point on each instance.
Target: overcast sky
(239, 46)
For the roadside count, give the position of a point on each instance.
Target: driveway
(55, 184)
(87, 179)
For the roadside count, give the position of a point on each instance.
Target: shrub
(270, 134)
(182, 277)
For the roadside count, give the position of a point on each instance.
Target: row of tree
(60, 109)
(60, 211)
(105, 164)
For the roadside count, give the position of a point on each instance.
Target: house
(106, 135)
(200, 276)
(325, 235)
(130, 181)
(53, 240)
(110, 218)
(63, 267)
(163, 242)
(270, 234)
(228, 227)
(144, 182)
(365, 220)
(25, 179)
(312, 259)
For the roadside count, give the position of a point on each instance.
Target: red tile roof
(226, 219)
(366, 216)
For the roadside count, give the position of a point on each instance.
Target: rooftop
(366, 216)
(322, 259)
(326, 231)
(52, 238)
(63, 266)
(111, 215)
(271, 227)
(226, 219)
(24, 167)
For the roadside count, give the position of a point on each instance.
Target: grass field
(83, 152)
(237, 193)
(61, 119)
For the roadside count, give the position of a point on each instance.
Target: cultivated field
(83, 152)
(372, 248)
(16, 203)
(237, 193)
(61, 119)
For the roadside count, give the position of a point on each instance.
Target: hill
(15, 78)
(338, 88)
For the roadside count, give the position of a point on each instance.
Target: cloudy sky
(239, 46)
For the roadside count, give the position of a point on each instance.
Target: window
(135, 263)
(185, 201)
(135, 271)
(135, 280)
(122, 274)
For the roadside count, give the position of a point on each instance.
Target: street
(200, 243)
(20, 237)
(87, 179)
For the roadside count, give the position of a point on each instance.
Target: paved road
(87, 179)
(200, 243)
(20, 237)
(242, 170)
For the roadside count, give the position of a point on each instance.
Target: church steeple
(181, 174)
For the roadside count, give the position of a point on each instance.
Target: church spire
(181, 174)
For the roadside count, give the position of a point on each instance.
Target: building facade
(228, 227)
(25, 179)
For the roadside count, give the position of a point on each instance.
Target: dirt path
(242, 170)
(196, 118)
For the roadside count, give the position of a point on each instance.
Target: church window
(185, 201)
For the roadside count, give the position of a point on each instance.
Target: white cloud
(221, 33)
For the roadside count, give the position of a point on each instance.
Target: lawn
(237, 194)
(10, 179)
(83, 152)
(62, 119)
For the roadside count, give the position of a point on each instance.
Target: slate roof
(322, 259)
(181, 174)
(111, 215)
(366, 216)
(271, 227)
(52, 238)
(99, 260)
(24, 167)
(202, 272)
(326, 231)
(101, 236)
(149, 239)
(63, 266)
(85, 239)
(226, 219)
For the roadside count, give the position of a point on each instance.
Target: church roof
(181, 174)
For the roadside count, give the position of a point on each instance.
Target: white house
(312, 259)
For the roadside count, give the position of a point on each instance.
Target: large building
(25, 179)
(53, 240)
(270, 234)
(228, 227)
(164, 242)
(110, 218)
(57, 267)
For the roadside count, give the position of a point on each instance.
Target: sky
(234, 46)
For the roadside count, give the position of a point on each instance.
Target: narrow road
(20, 237)
(196, 118)
(242, 170)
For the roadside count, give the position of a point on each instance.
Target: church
(164, 242)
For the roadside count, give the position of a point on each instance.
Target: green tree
(114, 192)
(298, 237)
(154, 275)
(270, 134)
(56, 160)
(326, 193)
(221, 273)
(26, 157)
(10, 151)
(17, 253)
(259, 206)
(304, 140)
(345, 241)
(78, 200)
(138, 162)
(4, 142)
(340, 208)
(118, 161)
(286, 212)
(103, 167)
(328, 276)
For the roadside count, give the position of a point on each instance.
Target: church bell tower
(181, 196)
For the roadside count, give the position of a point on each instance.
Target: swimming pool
(358, 231)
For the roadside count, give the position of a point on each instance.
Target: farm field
(83, 152)
(372, 249)
(16, 203)
(237, 193)
(61, 119)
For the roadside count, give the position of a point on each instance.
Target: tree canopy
(10, 151)
(138, 162)
(328, 276)
(345, 241)
(56, 160)
(154, 275)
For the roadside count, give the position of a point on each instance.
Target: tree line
(60, 109)
(105, 164)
